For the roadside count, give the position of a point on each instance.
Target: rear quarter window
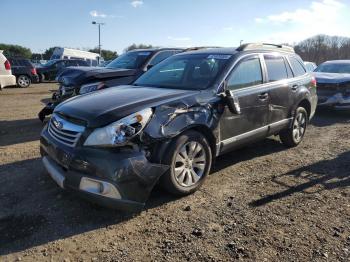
(297, 66)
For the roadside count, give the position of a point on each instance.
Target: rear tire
(294, 135)
(41, 78)
(189, 157)
(23, 81)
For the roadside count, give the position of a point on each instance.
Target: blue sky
(39, 24)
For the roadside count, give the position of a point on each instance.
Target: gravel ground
(261, 203)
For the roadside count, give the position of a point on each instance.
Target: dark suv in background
(49, 71)
(124, 70)
(113, 146)
(333, 84)
(24, 71)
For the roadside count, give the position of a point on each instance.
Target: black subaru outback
(115, 145)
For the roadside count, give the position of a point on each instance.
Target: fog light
(98, 187)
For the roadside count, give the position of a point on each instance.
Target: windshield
(130, 60)
(340, 68)
(51, 62)
(191, 72)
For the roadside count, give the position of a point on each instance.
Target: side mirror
(231, 100)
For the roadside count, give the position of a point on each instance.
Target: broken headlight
(120, 132)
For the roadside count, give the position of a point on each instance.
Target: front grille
(327, 89)
(64, 132)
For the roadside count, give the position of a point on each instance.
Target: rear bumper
(116, 179)
(337, 101)
(7, 80)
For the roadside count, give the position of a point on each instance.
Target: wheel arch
(202, 129)
(305, 103)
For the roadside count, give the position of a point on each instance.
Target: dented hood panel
(330, 78)
(74, 76)
(109, 105)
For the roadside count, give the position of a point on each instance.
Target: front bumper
(337, 101)
(115, 178)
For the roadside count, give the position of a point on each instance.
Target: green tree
(139, 46)
(16, 50)
(106, 54)
(48, 53)
(36, 56)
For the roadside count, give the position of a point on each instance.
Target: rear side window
(276, 68)
(247, 73)
(298, 68)
(13, 62)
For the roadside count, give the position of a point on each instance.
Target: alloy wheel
(190, 163)
(299, 127)
(23, 81)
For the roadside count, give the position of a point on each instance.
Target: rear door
(279, 75)
(246, 81)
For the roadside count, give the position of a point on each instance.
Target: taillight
(313, 82)
(33, 71)
(7, 65)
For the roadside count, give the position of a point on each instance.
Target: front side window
(130, 60)
(246, 73)
(160, 57)
(190, 72)
(276, 68)
(298, 68)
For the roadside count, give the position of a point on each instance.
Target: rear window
(276, 68)
(297, 66)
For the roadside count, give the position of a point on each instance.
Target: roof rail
(195, 48)
(266, 46)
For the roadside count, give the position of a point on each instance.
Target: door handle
(263, 96)
(295, 87)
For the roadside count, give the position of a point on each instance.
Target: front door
(246, 81)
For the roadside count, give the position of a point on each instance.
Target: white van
(93, 59)
(6, 77)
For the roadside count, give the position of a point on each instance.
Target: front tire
(189, 157)
(23, 81)
(294, 135)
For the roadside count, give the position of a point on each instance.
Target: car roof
(215, 51)
(156, 49)
(338, 62)
(248, 48)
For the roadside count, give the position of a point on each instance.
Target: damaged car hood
(116, 103)
(331, 78)
(73, 76)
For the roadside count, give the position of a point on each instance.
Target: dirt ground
(261, 203)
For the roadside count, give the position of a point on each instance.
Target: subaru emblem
(57, 123)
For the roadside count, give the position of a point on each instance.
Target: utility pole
(99, 35)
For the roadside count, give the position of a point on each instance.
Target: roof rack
(195, 48)
(266, 46)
